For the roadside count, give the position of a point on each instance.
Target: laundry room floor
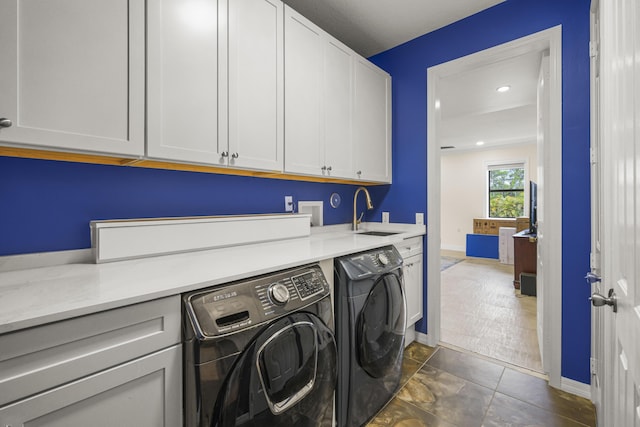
(446, 388)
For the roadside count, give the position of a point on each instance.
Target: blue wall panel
(502, 23)
(47, 205)
(483, 246)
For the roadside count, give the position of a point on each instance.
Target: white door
(542, 255)
(255, 84)
(620, 177)
(72, 74)
(372, 122)
(182, 81)
(337, 109)
(597, 315)
(304, 68)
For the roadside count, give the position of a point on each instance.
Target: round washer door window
(380, 327)
(285, 377)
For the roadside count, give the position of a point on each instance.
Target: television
(533, 208)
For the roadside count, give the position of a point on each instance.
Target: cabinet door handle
(329, 168)
(323, 168)
(224, 154)
(235, 155)
(5, 123)
(359, 173)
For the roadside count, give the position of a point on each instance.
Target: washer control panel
(236, 306)
(309, 284)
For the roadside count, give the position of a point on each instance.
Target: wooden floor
(484, 314)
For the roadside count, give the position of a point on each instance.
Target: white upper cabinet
(253, 125)
(216, 82)
(338, 109)
(372, 122)
(318, 92)
(304, 64)
(73, 75)
(182, 80)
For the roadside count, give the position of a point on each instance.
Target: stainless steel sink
(379, 233)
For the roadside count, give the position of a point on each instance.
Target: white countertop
(35, 296)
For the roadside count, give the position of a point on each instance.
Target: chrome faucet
(357, 221)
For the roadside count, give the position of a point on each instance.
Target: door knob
(599, 300)
(592, 278)
(5, 123)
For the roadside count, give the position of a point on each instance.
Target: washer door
(285, 377)
(381, 326)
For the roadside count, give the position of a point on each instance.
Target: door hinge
(593, 367)
(593, 49)
(594, 261)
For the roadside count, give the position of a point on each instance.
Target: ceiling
(373, 26)
(471, 109)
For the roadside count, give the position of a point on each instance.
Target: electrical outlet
(419, 218)
(385, 217)
(288, 203)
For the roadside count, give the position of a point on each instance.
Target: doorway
(549, 233)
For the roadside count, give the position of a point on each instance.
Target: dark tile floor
(442, 387)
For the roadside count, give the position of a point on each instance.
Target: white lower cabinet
(120, 367)
(145, 392)
(413, 284)
(411, 252)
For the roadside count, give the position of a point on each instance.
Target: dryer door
(380, 328)
(285, 377)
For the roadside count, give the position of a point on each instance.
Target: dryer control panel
(236, 306)
(371, 263)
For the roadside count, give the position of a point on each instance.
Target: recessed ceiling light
(480, 143)
(502, 89)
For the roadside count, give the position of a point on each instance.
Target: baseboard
(453, 248)
(425, 339)
(575, 387)
(45, 259)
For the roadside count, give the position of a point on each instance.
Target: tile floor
(483, 313)
(443, 387)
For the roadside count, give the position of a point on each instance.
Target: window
(506, 191)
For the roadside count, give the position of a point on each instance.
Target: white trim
(550, 39)
(45, 259)
(490, 165)
(575, 387)
(453, 248)
(423, 339)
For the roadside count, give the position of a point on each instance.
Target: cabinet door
(372, 122)
(73, 74)
(304, 70)
(182, 81)
(337, 95)
(146, 392)
(255, 84)
(413, 287)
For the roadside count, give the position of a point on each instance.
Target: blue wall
(47, 205)
(505, 22)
